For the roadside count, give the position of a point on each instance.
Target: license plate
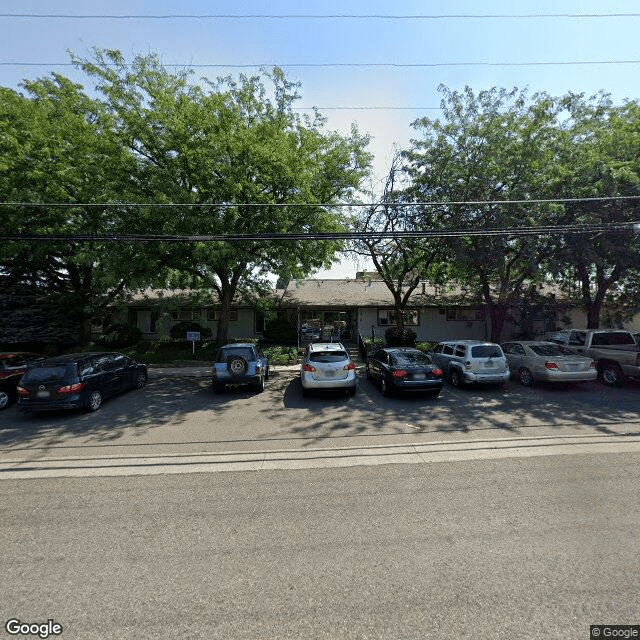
(329, 374)
(419, 376)
(42, 394)
(488, 365)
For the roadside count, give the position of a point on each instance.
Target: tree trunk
(498, 315)
(593, 314)
(226, 299)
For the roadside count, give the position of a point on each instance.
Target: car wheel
(526, 377)
(260, 385)
(455, 377)
(352, 391)
(141, 380)
(611, 374)
(237, 365)
(305, 392)
(385, 387)
(5, 399)
(267, 374)
(95, 400)
(367, 371)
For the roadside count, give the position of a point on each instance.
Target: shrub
(400, 337)
(425, 346)
(118, 335)
(281, 330)
(179, 331)
(281, 354)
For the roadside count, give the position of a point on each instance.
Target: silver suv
(327, 365)
(470, 361)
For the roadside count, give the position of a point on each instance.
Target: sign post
(192, 337)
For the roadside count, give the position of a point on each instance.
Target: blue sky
(442, 42)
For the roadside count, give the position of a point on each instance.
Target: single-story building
(351, 307)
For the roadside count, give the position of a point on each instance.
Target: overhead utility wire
(432, 203)
(396, 65)
(343, 235)
(342, 16)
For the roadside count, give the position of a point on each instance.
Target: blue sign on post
(192, 336)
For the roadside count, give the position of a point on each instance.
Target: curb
(292, 459)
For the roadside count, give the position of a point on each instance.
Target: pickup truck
(615, 351)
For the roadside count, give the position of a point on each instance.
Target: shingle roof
(357, 293)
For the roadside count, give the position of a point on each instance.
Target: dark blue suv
(79, 380)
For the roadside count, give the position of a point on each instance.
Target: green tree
(401, 262)
(598, 157)
(57, 146)
(239, 160)
(491, 147)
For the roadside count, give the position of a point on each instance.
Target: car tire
(455, 377)
(5, 399)
(305, 392)
(367, 371)
(526, 377)
(95, 400)
(611, 374)
(259, 386)
(385, 387)
(237, 366)
(352, 391)
(141, 380)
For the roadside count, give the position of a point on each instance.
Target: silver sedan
(531, 361)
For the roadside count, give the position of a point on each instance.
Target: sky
(381, 73)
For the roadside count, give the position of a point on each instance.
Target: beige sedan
(532, 361)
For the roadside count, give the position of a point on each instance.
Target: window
(465, 315)
(460, 351)
(133, 318)
(577, 338)
(447, 350)
(214, 315)
(387, 317)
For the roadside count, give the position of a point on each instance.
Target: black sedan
(12, 367)
(404, 369)
(79, 380)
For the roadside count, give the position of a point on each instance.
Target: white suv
(327, 365)
(469, 361)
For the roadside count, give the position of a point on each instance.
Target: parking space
(181, 414)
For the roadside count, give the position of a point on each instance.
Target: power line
(321, 65)
(302, 16)
(222, 205)
(342, 235)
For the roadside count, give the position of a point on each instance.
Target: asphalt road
(535, 548)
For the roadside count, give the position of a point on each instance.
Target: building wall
(243, 327)
(434, 326)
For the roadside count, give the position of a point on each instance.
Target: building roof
(178, 297)
(359, 293)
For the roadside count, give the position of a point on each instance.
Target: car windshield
(243, 352)
(486, 351)
(51, 372)
(551, 350)
(411, 359)
(328, 356)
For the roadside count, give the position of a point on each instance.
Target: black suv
(12, 367)
(79, 380)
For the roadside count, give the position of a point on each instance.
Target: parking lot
(177, 412)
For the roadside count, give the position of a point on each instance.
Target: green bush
(118, 335)
(426, 346)
(179, 331)
(281, 330)
(281, 353)
(400, 337)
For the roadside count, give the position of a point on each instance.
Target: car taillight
(350, 366)
(22, 391)
(437, 373)
(550, 365)
(308, 367)
(592, 365)
(399, 374)
(72, 388)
